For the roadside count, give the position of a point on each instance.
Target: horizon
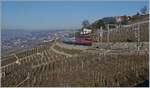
(63, 14)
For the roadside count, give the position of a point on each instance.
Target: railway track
(62, 53)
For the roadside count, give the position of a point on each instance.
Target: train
(78, 41)
(81, 38)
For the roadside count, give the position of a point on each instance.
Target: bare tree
(85, 23)
(144, 10)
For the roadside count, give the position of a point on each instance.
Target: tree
(125, 21)
(99, 24)
(135, 17)
(85, 23)
(137, 14)
(144, 10)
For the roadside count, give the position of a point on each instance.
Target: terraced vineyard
(117, 63)
(44, 67)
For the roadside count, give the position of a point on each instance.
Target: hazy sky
(62, 15)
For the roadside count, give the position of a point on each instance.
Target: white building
(86, 31)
